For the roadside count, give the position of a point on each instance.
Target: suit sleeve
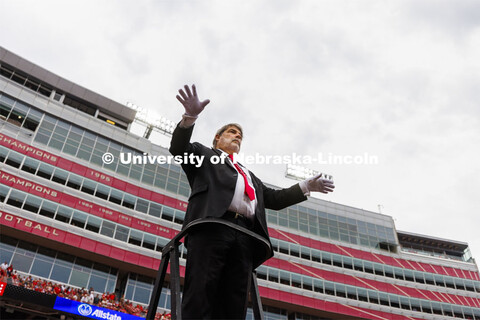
(279, 199)
(180, 142)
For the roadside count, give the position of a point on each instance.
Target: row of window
(64, 268)
(78, 182)
(46, 90)
(72, 180)
(379, 269)
(90, 147)
(139, 288)
(20, 115)
(49, 264)
(81, 219)
(366, 295)
(25, 80)
(334, 227)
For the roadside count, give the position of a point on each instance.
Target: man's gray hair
(223, 129)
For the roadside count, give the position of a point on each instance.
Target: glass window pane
(74, 182)
(93, 224)
(88, 186)
(97, 283)
(121, 233)
(60, 176)
(41, 268)
(22, 263)
(108, 229)
(102, 192)
(30, 165)
(79, 279)
(61, 273)
(14, 159)
(16, 198)
(79, 219)
(45, 171)
(142, 295)
(48, 209)
(64, 214)
(32, 203)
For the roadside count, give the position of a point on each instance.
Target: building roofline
(103, 103)
(460, 244)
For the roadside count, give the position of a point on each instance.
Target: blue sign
(89, 311)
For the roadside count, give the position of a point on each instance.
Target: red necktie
(248, 189)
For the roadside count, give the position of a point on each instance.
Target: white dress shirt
(241, 203)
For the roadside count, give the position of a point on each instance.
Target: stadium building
(68, 217)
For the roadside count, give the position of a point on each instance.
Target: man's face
(230, 140)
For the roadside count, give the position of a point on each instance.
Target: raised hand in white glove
(317, 183)
(193, 106)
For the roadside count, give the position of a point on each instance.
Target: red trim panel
(366, 283)
(374, 257)
(83, 205)
(74, 240)
(329, 306)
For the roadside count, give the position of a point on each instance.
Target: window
(32, 120)
(3, 192)
(149, 241)
(94, 224)
(155, 209)
(64, 214)
(115, 196)
(88, 186)
(30, 165)
(108, 229)
(14, 159)
(129, 201)
(48, 209)
(16, 198)
(167, 214)
(273, 275)
(329, 288)
(60, 176)
(45, 171)
(121, 233)
(318, 286)
(74, 182)
(32, 204)
(78, 219)
(135, 237)
(102, 191)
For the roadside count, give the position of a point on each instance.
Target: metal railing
(170, 253)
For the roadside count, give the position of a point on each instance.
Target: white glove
(319, 183)
(193, 106)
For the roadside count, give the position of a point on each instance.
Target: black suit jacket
(213, 187)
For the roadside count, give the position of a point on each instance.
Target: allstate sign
(89, 311)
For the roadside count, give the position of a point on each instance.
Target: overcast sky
(399, 80)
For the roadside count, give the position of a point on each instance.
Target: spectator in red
(9, 270)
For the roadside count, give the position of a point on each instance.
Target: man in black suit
(220, 259)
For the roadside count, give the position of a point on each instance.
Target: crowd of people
(105, 300)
